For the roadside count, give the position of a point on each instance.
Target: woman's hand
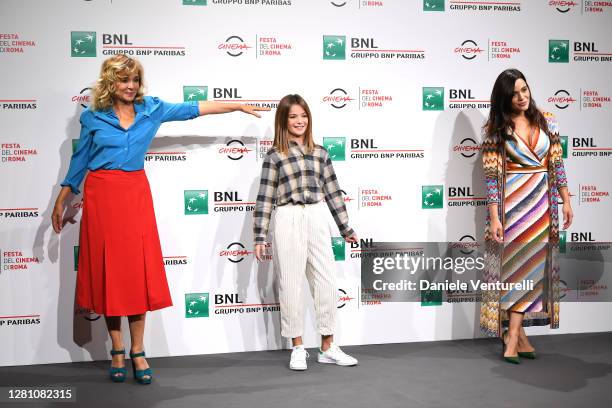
(352, 238)
(252, 110)
(497, 230)
(260, 250)
(58, 210)
(568, 214)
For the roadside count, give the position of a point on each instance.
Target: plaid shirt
(298, 178)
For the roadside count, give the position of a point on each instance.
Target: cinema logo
(13, 43)
(84, 44)
(463, 196)
(18, 104)
(588, 6)
(466, 244)
(580, 242)
(335, 48)
(234, 46)
(235, 252)
(234, 149)
(337, 98)
(344, 298)
(562, 6)
(468, 50)
(234, 304)
(467, 147)
(593, 99)
(359, 3)
(584, 147)
(593, 194)
(16, 213)
(83, 98)
(176, 261)
(367, 149)
(15, 260)
(373, 197)
(585, 52)
(481, 6)
(230, 201)
(15, 153)
(21, 320)
(562, 99)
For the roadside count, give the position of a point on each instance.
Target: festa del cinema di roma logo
(196, 202)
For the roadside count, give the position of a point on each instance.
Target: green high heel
(531, 355)
(508, 359)
(117, 374)
(142, 376)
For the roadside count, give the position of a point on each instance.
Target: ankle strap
(117, 352)
(133, 355)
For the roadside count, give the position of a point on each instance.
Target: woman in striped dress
(525, 177)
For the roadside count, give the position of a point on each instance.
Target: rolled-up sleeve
(79, 160)
(178, 111)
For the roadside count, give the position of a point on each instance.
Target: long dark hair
(500, 115)
(281, 132)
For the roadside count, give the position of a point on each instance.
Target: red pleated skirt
(120, 269)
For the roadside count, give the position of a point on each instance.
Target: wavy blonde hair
(115, 68)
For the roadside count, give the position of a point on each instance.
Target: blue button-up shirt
(104, 144)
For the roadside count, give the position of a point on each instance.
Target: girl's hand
(352, 238)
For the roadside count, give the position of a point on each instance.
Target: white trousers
(302, 247)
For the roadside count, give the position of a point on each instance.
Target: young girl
(297, 176)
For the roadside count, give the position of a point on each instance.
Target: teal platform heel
(117, 374)
(142, 376)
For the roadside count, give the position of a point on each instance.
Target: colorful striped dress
(524, 181)
(526, 222)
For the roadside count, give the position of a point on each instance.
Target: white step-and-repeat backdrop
(399, 91)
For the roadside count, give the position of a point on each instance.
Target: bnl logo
(82, 43)
(433, 5)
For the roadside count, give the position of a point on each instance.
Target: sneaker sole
(330, 361)
(298, 368)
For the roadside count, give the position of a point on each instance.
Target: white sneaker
(334, 355)
(298, 358)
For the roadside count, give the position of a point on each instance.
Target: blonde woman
(120, 267)
(298, 178)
